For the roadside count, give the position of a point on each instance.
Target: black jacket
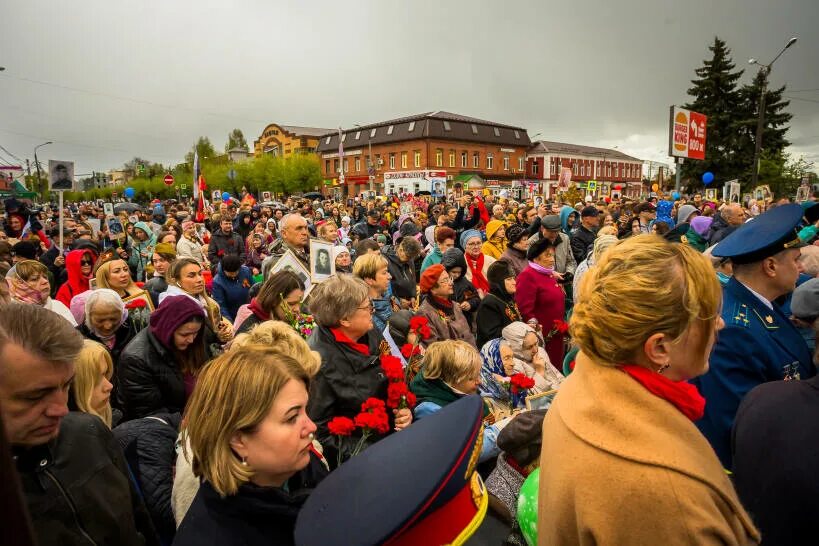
(493, 316)
(365, 231)
(582, 242)
(149, 447)
(254, 515)
(403, 281)
(78, 491)
(149, 379)
(345, 380)
(223, 244)
(464, 290)
(124, 335)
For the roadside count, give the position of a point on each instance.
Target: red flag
(200, 202)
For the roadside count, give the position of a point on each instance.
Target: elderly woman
(341, 256)
(280, 295)
(601, 244)
(540, 297)
(450, 370)
(251, 444)
(627, 410)
(373, 269)
(517, 240)
(477, 263)
(91, 388)
(28, 283)
(530, 357)
(157, 370)
(106, 321)
(445, 318)
(498, 307)
(350, 351)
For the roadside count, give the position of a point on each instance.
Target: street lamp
(370, 164)
(765, 71)
(37, 163)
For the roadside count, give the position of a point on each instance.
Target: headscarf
(104, 296)
(23, 292)
(77, 306)
(173, 312)
(514, 334)
(475, 265)
(492, 364)
(701, 224)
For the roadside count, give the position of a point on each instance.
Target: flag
(199, 191)
(195, 175)
(340, 157)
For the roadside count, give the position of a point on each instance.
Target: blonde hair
(233, 394)
(27, 269)
(607, 230)
(102, 276)
(452, 361)
(642, 286)
(368, 265)
(280, 336)
(93, 361)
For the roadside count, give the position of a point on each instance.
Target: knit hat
(165, 248)
(515, 233)
(173, 312)
(685, 212)
(499, 272)
(454, 257)
(430, 276)
(701, 224)
(521, 438)
(467, 235)
(805, 301)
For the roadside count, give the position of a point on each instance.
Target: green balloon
(527, 507)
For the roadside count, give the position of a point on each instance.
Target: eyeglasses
(474, 243)
(370, 307)
(445, 280)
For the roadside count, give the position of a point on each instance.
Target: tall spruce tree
(715, 94)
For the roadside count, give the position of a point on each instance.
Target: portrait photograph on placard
(108, 209)
(322, 265)
(60, 175)
(289, 262)
(540, 401)
(266, 196)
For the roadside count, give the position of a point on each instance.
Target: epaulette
(739, 317)
(768, 321)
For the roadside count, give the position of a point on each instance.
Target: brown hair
(275, 288)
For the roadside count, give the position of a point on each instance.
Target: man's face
(33, 395)
(733, 215)
(550, 234)
(591, 221)
(296, 233)
(62, 173)
(231, 274)
(530, 215)
(226, 225)
(452, 213)
(373, 220)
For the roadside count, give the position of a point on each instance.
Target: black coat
(78, 491)
(582, 242)
(124, 335)
(345, 380)
(403, 281)
(776, 459)
(254, 515)
(149, 447)
(492, 318)
(149, 379)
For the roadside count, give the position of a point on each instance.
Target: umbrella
(313, 195)
(126, 207)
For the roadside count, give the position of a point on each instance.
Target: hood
(76, 280)
(144, 227)
(684, 212)
(492, 227)
(150, 241)
(453, 258)
(565, 211)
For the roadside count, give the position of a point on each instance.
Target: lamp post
(37, 164)
(526, 158)
(764, 71)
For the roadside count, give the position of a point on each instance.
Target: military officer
(759, 343)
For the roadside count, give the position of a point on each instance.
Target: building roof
(437, 125)
(546, 146)
(305, 131)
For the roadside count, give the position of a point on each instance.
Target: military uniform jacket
(757, 345)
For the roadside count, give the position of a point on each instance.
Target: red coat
(76, 283)
(538, 295)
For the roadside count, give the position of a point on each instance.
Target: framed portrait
(141, 296)
(92, 283)
(711, 194)
(289, 262)
(266, 196)
(540, 401)
(108, 209)
(60, 175)
(115, 229)
(216, 196)
(802, 193)
(322, 265)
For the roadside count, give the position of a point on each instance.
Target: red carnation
(420, 325)
(372, 404)
(519, 382)
(395, 392)
(561, 327)
(376, 421)
(392, 367)
(408, 350)
(136, 304)
(341, 426)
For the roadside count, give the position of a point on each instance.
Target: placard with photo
(60, 175)
(108, 209)
(266, 196)
(289, 262)
(322, 265)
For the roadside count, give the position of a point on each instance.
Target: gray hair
(39, 331)
(337, 298)
(284, 223)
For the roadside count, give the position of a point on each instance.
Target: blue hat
(467, 235)
(764, 236)
(402, 492)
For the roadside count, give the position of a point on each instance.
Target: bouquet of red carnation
(420, 326)
(371, 420)
(558, 327)
(519, 385)
(400, 396)
(139, 313)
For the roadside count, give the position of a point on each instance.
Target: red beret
(430, 276)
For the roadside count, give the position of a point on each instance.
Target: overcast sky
(110, 80)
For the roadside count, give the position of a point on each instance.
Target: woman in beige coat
(622, 462)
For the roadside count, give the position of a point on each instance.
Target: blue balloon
(707, 177)
(225, 196)
(129, 193)
(676, 196)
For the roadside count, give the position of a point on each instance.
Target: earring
(311, 436)
(244, 461)
(664, 367)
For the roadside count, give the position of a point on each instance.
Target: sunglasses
(85, 262)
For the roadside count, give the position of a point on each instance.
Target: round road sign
(168, 180)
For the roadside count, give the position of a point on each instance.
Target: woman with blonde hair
(91, 388)
(282, 337)
(625, 461)
(28, 283)
(251, 443)
(113, 272)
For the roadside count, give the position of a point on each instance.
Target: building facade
(284, 140)
(429, 152)
(610, 172)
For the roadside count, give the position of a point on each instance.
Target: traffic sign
(184, 186)
(592, 185)
(168, 179)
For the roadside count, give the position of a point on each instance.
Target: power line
(11, 154)
(805, 100)
(803, 90)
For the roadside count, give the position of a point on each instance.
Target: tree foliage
(236, 139)
(203, 147)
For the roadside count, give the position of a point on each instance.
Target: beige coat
(622, 466)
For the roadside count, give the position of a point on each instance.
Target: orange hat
(430, 276)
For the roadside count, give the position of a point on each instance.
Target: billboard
(686, 133)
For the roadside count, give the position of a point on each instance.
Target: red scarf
(343, 339)
(257, 310)
(683, 395)
(476, 267)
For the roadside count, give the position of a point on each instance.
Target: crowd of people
(650, 364)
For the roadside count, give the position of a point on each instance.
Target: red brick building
(433, 152)
(607, 168)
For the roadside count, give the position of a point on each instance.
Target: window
(464, 160)
(327, 166)
(403, 160)
(328, 140)
(439, 157)
(372, 133)
(476, 160)
(417, 159)
(517, 134)
(582, 169)
(389, 129)
(496, 131)
(357, 164)
(506, 163)
(552, 167)
(392, 161)
(335, 165)
(520, 163)
(378, 161)
(618, 170)
(411, 127)
(474, 129)
(452, 158)
(490, 160)
(357, 135)
(536, 167)
(447, 127)
(346, 165)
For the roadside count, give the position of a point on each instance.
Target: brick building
(430, 152)
(283, 140)
(608, 168)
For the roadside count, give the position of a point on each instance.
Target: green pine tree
(236, 139)
(715, 94)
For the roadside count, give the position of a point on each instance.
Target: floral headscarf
(32, 292)
(492, 364)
